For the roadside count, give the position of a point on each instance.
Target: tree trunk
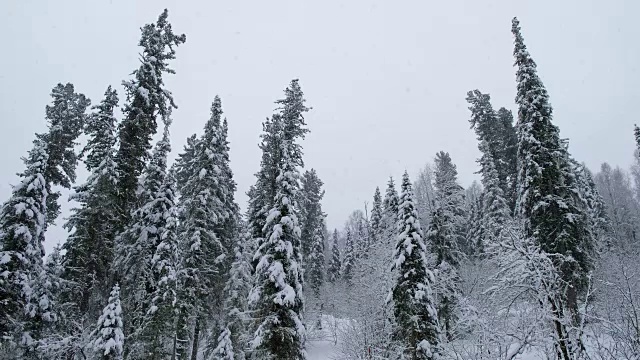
(196, 338)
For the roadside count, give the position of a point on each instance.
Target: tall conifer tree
(147, 98)
(412, 294)
(277, 297)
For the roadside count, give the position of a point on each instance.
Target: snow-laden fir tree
(445, 237)
(335, 264)
(224, 349)
(311, 214)
(375, 223)
(207, 207)
(315, 267)
(450, 199)
(22, 226)
(495, 210)
(415, 313)
(89, 247)
(147, 98)
(262, 194)
(549, 203)
(108, 338)
(547, 189)
(26, 305)
(276, 298)
(348, 261)
(183, 166)
(475, 228)
(235, 304)
(137, 245)
(277, 295)
(390, 213)
(599, 220)
(66, 117)
(497, 139)
(159, 321)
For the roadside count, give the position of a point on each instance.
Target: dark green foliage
(414, 307)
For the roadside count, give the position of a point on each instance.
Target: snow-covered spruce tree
(224, 349)
(546, 185)
(475, 229)
(262, 194)
(333, 273)
(276, 298)
(66, 117)
(207, 212)
(137, 245)
(375, 223)
(552, 213)
(183, 166)
(159, 320)
(599, 220)
(89, 247)
(315, 263)
(277, 295)
(147, 98)
(412, 295)
(311, 214)
(495, 209)
(348, 261)
(22, 226)
(390, 213)
(450, 199)
(497, 136)
(108, 337)
(235, 304)
(23, 220)
(444, 237)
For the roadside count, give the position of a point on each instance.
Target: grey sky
(387, 79)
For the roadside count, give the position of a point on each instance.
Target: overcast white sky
(386, 79)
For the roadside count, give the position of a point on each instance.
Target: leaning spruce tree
(412, 295)
(147, 98)
(25, 304)
(546, 184)
(549, 203)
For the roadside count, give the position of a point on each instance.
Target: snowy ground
(321, 344)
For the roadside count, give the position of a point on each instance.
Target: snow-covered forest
(539, 260)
